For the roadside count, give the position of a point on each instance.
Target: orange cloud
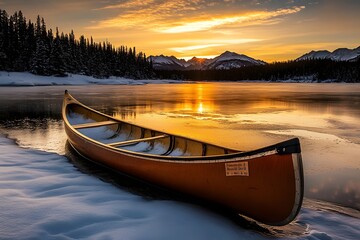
(251, 18)
(210, 44)
(163, 18)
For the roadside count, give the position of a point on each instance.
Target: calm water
(326, 118)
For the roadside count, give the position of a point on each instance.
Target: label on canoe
(237, 169)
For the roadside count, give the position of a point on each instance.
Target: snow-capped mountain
(197, 63)
(168, 63)
(227, 60)
(340, 54)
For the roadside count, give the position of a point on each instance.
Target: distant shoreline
(26, 79)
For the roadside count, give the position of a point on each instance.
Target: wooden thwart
(118, 144)
(94, 124)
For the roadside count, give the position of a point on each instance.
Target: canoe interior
(129, 137)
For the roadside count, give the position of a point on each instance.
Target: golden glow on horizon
(187, 48)
(206, 46)
(207, 57)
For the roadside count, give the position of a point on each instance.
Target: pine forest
(27, 46)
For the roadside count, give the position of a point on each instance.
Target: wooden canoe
(265, 184)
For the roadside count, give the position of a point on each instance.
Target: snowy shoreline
(26, 79)
(9, 79)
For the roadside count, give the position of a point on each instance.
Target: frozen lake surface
(46, 193)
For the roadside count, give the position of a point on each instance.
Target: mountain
(197, 63)
(168, 63)
(227, 60)
(340, 54)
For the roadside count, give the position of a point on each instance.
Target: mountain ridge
(340, 54)
(232, 60)
(226, 60)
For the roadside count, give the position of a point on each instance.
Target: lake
(245, 116)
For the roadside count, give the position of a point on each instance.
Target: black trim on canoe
(287, 147)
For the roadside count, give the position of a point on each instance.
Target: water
(238, 115)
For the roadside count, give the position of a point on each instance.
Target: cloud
(247, 19)
(129, 4)
(182, 16)
(196, 47)
(141, 13)
(211, 43)
(155, 13)
(156, 7)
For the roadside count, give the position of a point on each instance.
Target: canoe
(265, 184)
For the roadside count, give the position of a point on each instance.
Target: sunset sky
(270, 30)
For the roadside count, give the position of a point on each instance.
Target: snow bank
(28, 79)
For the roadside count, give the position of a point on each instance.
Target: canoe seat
(94, 124)
(129, 142)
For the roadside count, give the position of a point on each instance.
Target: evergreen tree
(3, 38)
(29, 46)
(56, 61)
(40, 62)
(21, 63)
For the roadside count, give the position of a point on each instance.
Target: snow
(340, 54)
(316, 55)
(344, 54)
(28, 79)
(75, 118)
(165, 60)
(161, 60)
(43, 196)
(227, 56)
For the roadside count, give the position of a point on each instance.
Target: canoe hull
(268, 194)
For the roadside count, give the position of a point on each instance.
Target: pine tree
(13, 46)
(40, 61)
(21, 63)
(30, 45)
(3, 39)
(56, 61)
(38, 27)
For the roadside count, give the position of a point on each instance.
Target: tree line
(317, 70)
(27, 46)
